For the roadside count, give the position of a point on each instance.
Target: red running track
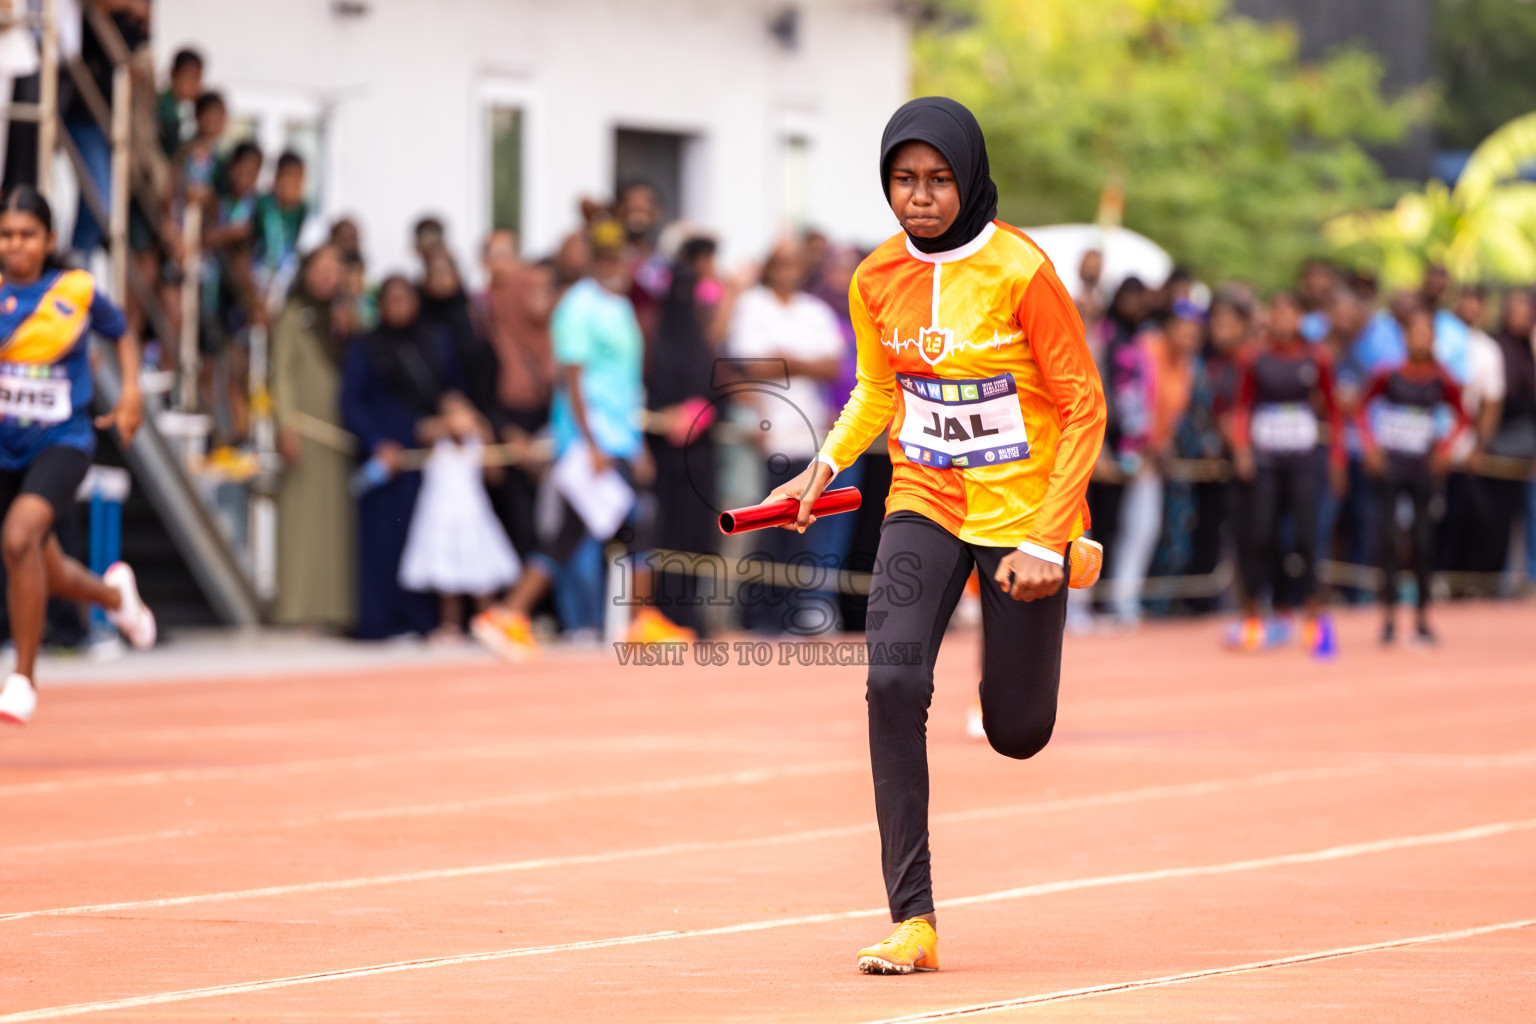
(1210, 836)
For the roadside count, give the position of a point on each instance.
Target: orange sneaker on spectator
(507, 634)
(652, 627)
(1248, 635)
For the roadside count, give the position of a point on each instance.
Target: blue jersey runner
(45, 368)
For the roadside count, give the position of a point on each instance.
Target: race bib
(1284, 427)
(962, 424)
(31, 398)
(1405, 429)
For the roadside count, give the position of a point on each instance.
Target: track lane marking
(698, 846)
(1346, 770)
(519, 748)
(673, 849)
(1327, 854)
(1203, 699)
(746, 776)
(1213, 972)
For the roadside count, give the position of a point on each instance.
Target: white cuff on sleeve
(826, 461)
(1040, 551)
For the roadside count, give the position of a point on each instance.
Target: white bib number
(1287, 427)
(34, 399)
(962, 424)
(1406, 429)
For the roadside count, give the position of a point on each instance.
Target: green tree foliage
(1483, 230)
(1232, 152)
(1484, 53)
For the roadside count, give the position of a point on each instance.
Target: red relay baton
(784, 511)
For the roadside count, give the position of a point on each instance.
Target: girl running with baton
(971, 351)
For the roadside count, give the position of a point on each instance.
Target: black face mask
(952, 130)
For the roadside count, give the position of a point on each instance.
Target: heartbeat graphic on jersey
(927, 337)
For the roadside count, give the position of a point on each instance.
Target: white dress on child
(456, 545)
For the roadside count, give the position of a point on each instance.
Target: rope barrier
(812, 577)
(537, 452)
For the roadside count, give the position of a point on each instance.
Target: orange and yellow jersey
(975, 360)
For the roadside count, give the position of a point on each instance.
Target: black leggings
(920, 573)
(1416, 482)
(1281, 484)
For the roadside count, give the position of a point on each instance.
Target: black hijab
(952, 130)
(403, 358)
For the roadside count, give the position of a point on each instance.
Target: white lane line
(744, 777)
(1213, 972)
(515, 800)
(532, 747)
(1332, 853)
(133, 1002)
(674, 849)
(1340, 771)
(1327, 772)
(1117, 751)
(700, 846)
(1460, 835)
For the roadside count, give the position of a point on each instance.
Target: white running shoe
(17, 700)
(133, 618)
(974, 727)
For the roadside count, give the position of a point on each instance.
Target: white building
(752, 116)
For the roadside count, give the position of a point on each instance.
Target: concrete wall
(399, 98)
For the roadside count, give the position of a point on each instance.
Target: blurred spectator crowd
(408, 397)
(1165, 499)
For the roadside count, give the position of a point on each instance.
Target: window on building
(506, 167)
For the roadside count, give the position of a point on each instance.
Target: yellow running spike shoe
(913, 946)
(1087, 561)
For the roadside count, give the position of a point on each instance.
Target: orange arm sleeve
(873, 400)
(1054, 331)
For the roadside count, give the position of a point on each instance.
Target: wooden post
(122, 100)
(191, 312)
(48, 98)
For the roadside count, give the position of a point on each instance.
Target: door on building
(657, 158)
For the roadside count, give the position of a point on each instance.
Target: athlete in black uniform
(1283, 391)
(1398, 428)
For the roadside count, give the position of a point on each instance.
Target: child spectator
(229, 299)
(280, 216)
(456, 545)
(175, 114)
(199, 159)
(347, 237)
(357, 308)
(1402, 455)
